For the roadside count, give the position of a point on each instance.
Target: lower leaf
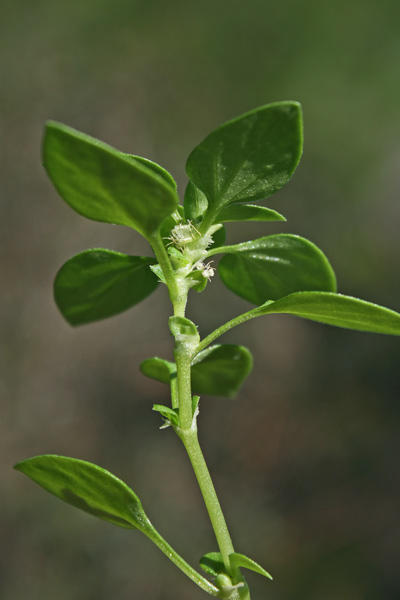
(88, 487)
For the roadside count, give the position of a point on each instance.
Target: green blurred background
(306, 458)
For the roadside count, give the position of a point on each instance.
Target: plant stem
(206, 485)
(177, 293)
(201, 581)
(251, 314)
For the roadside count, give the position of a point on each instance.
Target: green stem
(201, 581)
(206, 485)
(251, 314)
(177, 293)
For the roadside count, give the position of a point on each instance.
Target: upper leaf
(97, 284)
(106, 185)
(248, 158)
(89, 488)
(275, 266)
(336, 309)
(195, 202)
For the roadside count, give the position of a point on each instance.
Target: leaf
(157, 169)
(212, 564)
(242, 561)
(248, 158)
(105, 185)
(220, 370)
(88, 487)
(274, 266)
(97, 284)
(195, 203)
(158, 369)
(183, 330)
(171, 415)
(336, 309)
(248, 212)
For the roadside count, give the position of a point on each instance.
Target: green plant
(244, 160)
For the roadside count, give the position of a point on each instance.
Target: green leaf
(157, 169)
(240, 560)
(248, 212)
(97, 284)
(105, 185)
(158, 369)
(336, 309)
(195, 203)
(171, 415)
(248, 158)
(212, 564)
(183, 330)
(221, 370)
(275, 266)
(88, 487)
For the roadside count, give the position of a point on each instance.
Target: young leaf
(248, 212)
(169, 414)
(97, 284)
(103, 184)
(158, 369)
(248, 158)
(240, 560)
(183, 330)
(336, 309)
(88, 487)
(195, 202)
(275, 266)
(212, 564)
(221, 370)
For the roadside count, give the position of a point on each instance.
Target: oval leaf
(336, 309)
(248, 158)
(240, 560)
(273, 267)
(248, 212)
(97, 284)
(158, 369)
(88, 487)
(103, 184)
(221, 370)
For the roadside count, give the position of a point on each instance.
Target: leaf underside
(88, 487)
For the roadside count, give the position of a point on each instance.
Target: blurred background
(306, 458)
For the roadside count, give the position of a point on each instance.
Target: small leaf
(212, 564)
(168, 413)
(97, 284)
(105, 185)
(336, 309)
(158, 369)
(88, 487)
(195, 203)
(184, 330)
(221, 370)
(248, 158)
(240, 560)
(273, 267)
(248, 212)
